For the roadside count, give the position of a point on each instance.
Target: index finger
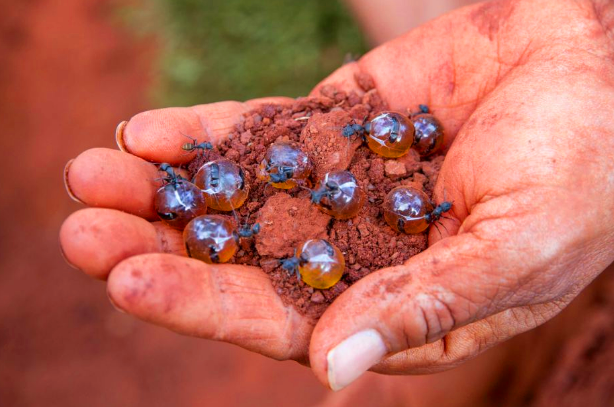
(157, 135)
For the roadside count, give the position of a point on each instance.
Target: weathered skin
(525, 90)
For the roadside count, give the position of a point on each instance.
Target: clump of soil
(287, 217)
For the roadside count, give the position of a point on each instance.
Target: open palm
(525, 90)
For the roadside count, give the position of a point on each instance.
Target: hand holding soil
(525, 91)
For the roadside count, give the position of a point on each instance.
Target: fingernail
(354, 356)
(67, 185)
(114, 304)
(119, 136)
(66, 258)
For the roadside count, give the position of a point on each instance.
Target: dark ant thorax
(214, 175)
(438, 212)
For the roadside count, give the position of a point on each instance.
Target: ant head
(316, 196)
(247, 231)
(446, 206)
(423, 108)
(283, 174)
(355, 129)
(348, 130)
(290, 265)
(278, 178)
(165, 167)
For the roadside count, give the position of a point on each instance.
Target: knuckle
(431, 318)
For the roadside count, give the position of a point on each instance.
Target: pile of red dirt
(287, 217)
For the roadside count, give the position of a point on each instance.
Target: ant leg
(437, 227)
(159, 179)
(298, 274)
(444, 228)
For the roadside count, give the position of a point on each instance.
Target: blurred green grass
(214, 50)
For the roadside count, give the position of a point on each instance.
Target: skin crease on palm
(525, 90)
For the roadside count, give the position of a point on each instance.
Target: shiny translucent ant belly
(211, 238)
(317, 262)
(405, 210)
(223, 184)
(429, 134)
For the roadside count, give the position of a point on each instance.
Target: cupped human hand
(525, 90)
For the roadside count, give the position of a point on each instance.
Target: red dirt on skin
(287, 217)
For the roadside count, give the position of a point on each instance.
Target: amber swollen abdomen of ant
(211, 238)
(223, 184)
(320, 264)
(428, 138)
(178, 202)
(390, 134)
(284, 165)
(339, 195)
(405, 210)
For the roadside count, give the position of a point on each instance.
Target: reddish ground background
(68, 75)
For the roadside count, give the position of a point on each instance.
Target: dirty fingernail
(119, 136)
(67, 184)
(354, 356)
(114, 304)
(66, 258)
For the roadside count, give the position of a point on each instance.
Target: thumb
(459, 280)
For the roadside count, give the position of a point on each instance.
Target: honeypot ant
(362, 130)
(317, 262)
(384, 133)
(194, 145)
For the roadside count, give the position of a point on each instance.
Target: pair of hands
(525, 90)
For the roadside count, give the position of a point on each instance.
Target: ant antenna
(190, 137)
